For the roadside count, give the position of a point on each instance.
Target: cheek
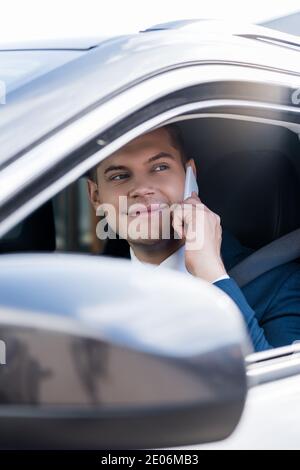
(174, 188)
(107, 196)
(180, 190)
(114, 202)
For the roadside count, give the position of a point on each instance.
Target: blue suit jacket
(270, 304)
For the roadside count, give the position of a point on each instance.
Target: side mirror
(102, 354)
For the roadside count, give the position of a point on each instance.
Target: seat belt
(276, 253)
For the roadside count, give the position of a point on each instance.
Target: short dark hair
(177, 142)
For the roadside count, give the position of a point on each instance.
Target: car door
(271, 416)
(80, 114)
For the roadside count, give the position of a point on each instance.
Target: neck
(157, 252)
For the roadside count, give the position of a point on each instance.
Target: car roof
(233, 27)
(106, 66)
(54, 44)
(200, 25)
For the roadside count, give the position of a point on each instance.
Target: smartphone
(190, 183)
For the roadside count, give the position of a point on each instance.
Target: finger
(196, 195)
(177, 222)
(192, 200)
(194, 205)
(217, 217)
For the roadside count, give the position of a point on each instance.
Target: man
(149, 175)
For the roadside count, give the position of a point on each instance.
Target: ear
(93, 193)
(191, 162)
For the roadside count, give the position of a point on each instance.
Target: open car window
(249, 175)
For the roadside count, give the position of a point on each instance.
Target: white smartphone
(190, 183)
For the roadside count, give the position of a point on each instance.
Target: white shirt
(175, 261)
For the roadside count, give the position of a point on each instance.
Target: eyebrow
(150, 160)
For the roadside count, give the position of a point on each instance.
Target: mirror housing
(103, 354)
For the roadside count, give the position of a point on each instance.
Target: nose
(141, 188)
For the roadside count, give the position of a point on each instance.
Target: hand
(201, 229)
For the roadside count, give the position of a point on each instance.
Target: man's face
(148, 172)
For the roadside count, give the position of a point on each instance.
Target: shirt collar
(174, 261)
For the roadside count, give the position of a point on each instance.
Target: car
(96, 353)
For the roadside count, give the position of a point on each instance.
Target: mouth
(146, 210)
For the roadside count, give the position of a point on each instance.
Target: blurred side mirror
(102, 354)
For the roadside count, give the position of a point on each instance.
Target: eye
(118, 177)
(161, 167)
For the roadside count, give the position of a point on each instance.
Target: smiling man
(143, 183)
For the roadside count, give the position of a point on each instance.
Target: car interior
(244, 168)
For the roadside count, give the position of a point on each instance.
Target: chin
(145, 235)
(143, 241)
